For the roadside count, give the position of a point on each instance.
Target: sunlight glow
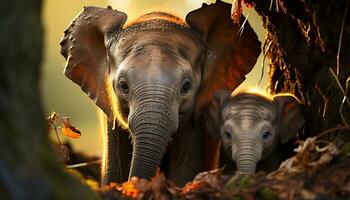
(102, 119)
(115, 110)
(252, 90)
(261, 92)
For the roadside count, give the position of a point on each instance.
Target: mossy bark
(28, 168)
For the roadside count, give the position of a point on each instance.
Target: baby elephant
(251, 125)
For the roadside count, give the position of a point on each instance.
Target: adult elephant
(154, 77)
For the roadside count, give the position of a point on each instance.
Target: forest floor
(319, 170)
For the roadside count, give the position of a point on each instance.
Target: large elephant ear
(290, 116)
(229, 55)
(84, 45)
(212, 117)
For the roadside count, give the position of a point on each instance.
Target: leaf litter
(318, 170)
(306, 175)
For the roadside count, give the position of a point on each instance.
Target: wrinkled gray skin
(250, 126)
(162, 76)
(163, 72)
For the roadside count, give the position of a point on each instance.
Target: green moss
(265, 193)
(245, 182)
(239, 182)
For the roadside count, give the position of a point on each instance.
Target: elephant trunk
(152, 121)
(246, 157)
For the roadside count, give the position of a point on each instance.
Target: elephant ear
(291, 118)
(229, 55)
(84, 46)
(212, 121)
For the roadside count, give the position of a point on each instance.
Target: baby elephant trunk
(246, 157)
(152, 122)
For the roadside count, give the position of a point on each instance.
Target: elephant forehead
(248, 111)
(173, 37)
(155, 61)
(157, 53)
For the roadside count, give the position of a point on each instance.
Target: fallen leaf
(191, 187)
(129, 189)
(68, 129)
(61, 152)
(309, 158)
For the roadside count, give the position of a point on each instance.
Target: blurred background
(66, 98)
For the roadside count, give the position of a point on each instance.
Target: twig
(332, 130)
(276, 84)
(339, 85)
(58, 138)
(271, 2)
(83, 164)
(242, 26)
(325, 101)
(276, 5)
(341, 35)
(343, 101)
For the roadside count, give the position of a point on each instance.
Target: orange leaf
(68, 129)
(190, 187)
(128, 189)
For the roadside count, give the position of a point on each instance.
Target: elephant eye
(186, 86)
(265, 136)
(123, 86)
(227, 135)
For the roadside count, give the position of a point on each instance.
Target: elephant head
(250, 125)
(157, 73)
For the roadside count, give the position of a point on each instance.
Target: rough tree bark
(303, 40)
(28, 169)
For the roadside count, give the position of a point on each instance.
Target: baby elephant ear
(290, 116)
(212, 116)
(229, 55)
(84, 46)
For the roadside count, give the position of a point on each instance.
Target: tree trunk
(303, 40)
(28, 168)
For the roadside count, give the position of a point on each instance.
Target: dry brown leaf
(309, 158)
(68, 129)
(158, 188)
(61, 152)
